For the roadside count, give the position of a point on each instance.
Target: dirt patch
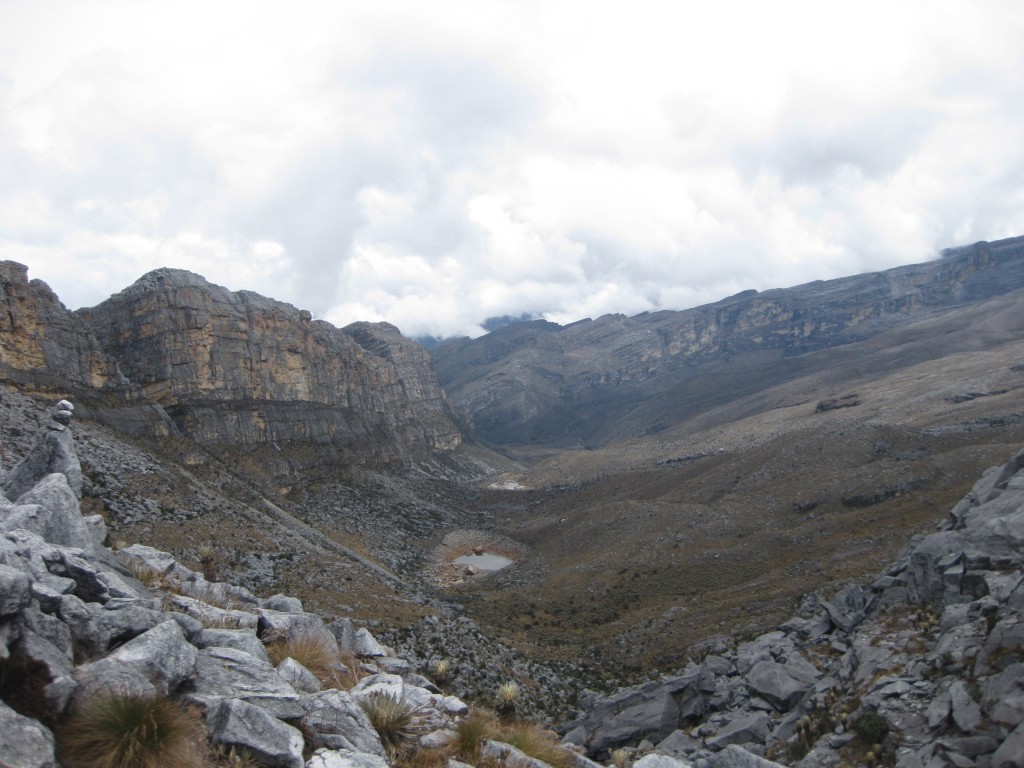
(442, 569)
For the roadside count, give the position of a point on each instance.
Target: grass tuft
(312, 651)
(123, 731)
(396, 721)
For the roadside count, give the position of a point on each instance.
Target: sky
(435, 164)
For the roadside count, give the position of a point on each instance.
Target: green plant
(440, 670)
(124, 731)
(396, 721)
(871, 728)
(506, 698)
(478, 725)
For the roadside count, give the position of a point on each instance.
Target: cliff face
(42, 344)
(545, 384)
(242, 369)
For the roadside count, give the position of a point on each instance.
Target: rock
(45, 668)
(339, 722)
(53, 453)
(752, 729)
(679, 743)
(344, 633)
(508, 756)
(24, 743)
(655, 760)
(381, 684)
(15, 590)
(105, 677)
(438, 739)
(162, 655)
(965, 710)
(227, 673)
(778, 684)
(235, 723)
(277, 625)
(239, 639)
(1011, 752)
(51, 511)
(734, 756)
(209, 614)
(325, 758)
(282, 603)
(298, 677)
(366, 645)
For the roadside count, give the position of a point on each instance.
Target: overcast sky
(437, 163)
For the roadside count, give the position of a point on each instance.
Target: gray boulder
(340, 723)
(510, 757)
(106, 677)
(734, 756)
(51, 510)
(750, 729)
(234, 723)
(24, 743)
(1011, 752)
(344, 758)
(239, 639)
(162, 655)
(366, 645)
(655, 760)
(779, 684)
(50, 668)
(53, 453)
(227, 673)
(15, 590)
(298, 677)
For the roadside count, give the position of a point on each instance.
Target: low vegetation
(125, 731)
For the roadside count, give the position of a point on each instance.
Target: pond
(485, 562)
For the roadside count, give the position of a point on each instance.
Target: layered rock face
(542, 383)
(243, 369)
(42, 344)
(174, 353)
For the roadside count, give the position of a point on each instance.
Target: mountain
(538, 384)
(234, 371)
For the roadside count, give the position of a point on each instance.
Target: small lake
(485, 562)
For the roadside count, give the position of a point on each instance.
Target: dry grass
(120, 731)
(528, 737)
(311, 650)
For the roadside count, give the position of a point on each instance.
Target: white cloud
(437, 164)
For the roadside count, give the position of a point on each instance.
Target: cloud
(438, 164)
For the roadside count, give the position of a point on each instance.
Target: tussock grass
(122, 731)
(396, 721)
(528, 737)
(311, 650)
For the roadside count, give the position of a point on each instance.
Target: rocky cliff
(238, 368)
(175, 354)
(617, 376)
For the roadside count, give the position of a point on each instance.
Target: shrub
(124, 731)
(478, 725)
(506, 699)
(396, 721)
(871, 727)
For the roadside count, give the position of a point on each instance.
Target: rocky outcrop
(923, 668)
(538, 382)
(237, 368)
(76, 625)
(42, 344)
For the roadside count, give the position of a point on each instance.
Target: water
(485, 562)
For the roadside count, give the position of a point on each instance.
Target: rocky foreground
(923, 668)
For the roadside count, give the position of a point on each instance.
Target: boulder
(45, 669)
(234, 723)
(282, 603)
(24, 743)
(749, 729)
(344, 758)
(278, 625)
(298, 677)
(655, 760)
(162, 655)
(15, 590)
(340, 723)
(51, 510)
(227, 673)
(778, 684)
(239, 639)
(106, 677)
(1011, 752)
(735, 756)
(505, 754)
(366, 645)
